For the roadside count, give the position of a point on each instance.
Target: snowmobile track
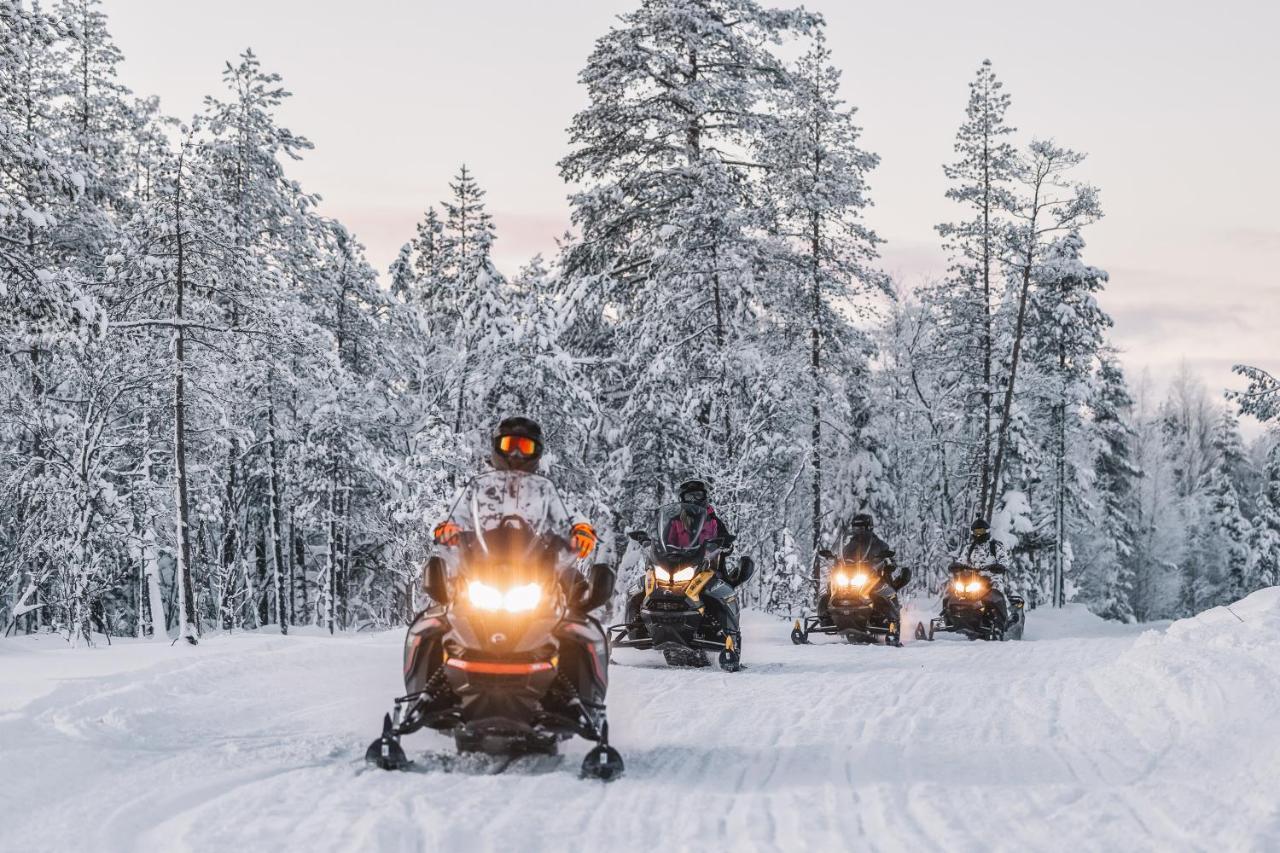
(1087, 735)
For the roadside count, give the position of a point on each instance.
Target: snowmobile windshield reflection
(681, 532)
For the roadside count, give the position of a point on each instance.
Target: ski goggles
(695, 496)
(517, 444)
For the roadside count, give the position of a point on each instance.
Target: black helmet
(517, 445)
(981, 530)
(862, 521)
(694, 492)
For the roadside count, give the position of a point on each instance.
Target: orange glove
(446, 533)
(584, 538)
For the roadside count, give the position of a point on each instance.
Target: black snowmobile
(690, 602)
(861, 604)
(971, 607)
(514, 663)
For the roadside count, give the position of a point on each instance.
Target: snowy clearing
(1085, 736)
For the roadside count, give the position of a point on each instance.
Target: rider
(517, 447)
(864, 546)
(989, 556)
(694, 496)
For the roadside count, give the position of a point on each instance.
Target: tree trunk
(815, 379)
(188, 629)
(274, 523)
(331, 567)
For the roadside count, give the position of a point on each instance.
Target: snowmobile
(970, 607)
(514, 663)
(690, 605)
(862, 605)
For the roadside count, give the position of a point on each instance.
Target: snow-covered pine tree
(245, 145)
(669, 271)
(1066, 338)
(1227, 533)
(1107, 582)
(1049, 204)
(1262, 397)
(1264, 539)
(966, 300)
(817, 180)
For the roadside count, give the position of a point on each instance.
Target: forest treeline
(213, 414)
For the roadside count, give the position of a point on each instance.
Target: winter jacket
(868, 547)
(983, 554)
(713, 529)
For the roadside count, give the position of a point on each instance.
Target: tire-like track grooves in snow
(1083, 736)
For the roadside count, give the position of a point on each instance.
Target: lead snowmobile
(972, 607)
(690, 604)
(861, 603)
(514, 663)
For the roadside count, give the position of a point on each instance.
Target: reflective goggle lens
(517, 444)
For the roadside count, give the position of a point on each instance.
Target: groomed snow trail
(1085, 736)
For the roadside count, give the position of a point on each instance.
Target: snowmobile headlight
(959, 586)
(859, 580)
(520, 599)
(974, 586)
(662, 574)
(483, 596)
(685, 574)
(842, 580)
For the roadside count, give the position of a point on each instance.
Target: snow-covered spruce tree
(1110, 564)
(1264, 539)
(1048, 204)
(1067, 330)
(817, 180)
(669, 271)
(966, 300)
(1262, 397)
(473, 289)
(1227, 534)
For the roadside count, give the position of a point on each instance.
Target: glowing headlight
(518, 599)
(974, 586)
(521, 598)
(858, 580)
(685, 574)
(484, 596)
(959, 586)
(842, 579)
(662, 574)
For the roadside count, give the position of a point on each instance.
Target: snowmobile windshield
(513, 522)
(679, 532)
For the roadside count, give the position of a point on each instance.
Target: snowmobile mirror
(436, 582)
(827, 554)
(746, 568)
(599, 589)
(639, 536)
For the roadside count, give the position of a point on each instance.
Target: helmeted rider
(864, 546)
(990, 557)
(695, 497)
(517, 447)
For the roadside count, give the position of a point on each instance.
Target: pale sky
(1175, 103)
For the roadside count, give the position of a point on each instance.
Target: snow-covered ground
(1087, 736)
